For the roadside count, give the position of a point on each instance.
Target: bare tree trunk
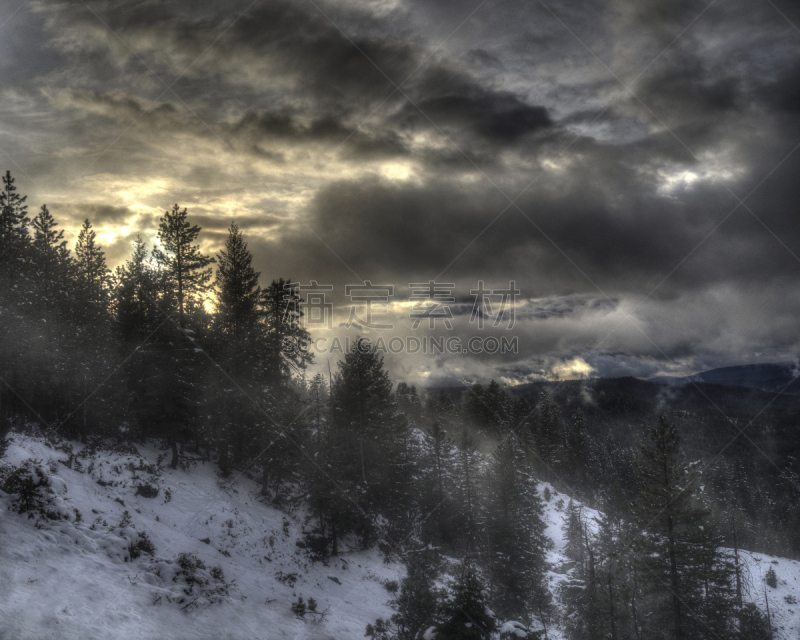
(174, 444)
(633, 604)
(736, 564)
(673, 570)
(334, 538)
(611, 611)
(265, 480)
(769, 617)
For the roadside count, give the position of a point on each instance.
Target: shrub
(515, 631)
(34, 491)
(189, 564)
(771, 578)
(753, 624)
(217, 574)
(391, 586)
(202, 587)
(27, 485)
(5, 427)
(142, 545)
(300, 608)
(316, 544)
(147, 490)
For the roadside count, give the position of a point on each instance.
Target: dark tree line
(655, 566)
(190, 350)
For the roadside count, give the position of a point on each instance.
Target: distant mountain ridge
(771, 377)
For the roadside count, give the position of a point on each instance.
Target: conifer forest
(470, 322)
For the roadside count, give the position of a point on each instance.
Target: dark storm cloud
(249, 224)
(783, 93)
(286, 116)
(284, 125)
(454, 101)
(334, 80)
(688, 91)
(122, 106)
(281, 38)
(331, 64)
(614, 223)
(103, 215)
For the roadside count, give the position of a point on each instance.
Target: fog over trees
(207, 358)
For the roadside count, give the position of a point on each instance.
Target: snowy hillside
(73, 576)
(784, 599)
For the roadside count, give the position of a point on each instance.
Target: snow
(784, 600)
(72, 576)
(514, 629)
(74, 579)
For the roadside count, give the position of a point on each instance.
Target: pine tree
(488, 409)
(136, 305)
(328, 498)
(415, 604)
(549, 436)
(577, 592)
(92, 269)
(520, 418)
(282, 351)
(53, 289)
(237, 337)
(573, 533)
(610, 615)
(136, 296)
(174, 397)
(467, 492)
(578, 463)
(515, 535)
(374, 447)
(753, 624)
(408, 403)
(187, 267)
(285, 348)
(238, 290)
(443, 410)
(465, 615)
(14, 221)
(497, 407)
(688, 575)
(319, 398)
(48, 243)
(437, 503)
(90, 340)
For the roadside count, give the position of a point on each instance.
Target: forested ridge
(192, 351)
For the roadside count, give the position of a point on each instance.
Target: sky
(631, 165)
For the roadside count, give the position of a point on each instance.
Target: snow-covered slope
(73, 577)
(70, 579)
(783, 601)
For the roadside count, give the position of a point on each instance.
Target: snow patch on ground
(75, 579)
(784, 600)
